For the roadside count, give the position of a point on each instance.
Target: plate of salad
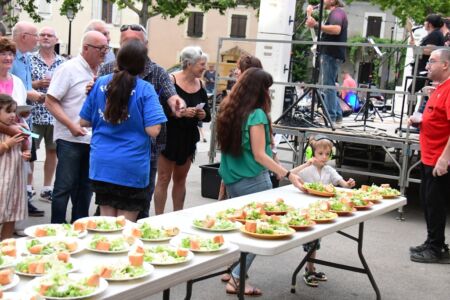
(8, 279)
(150, 233)
(104, 223)
(319, 189)
(68, 286)
(164, 255)
(197, 243)
(279, 207)
(105, 244)
(342, 207)
(361, 204)
(21, 296)
(215, 224)
(299, 220)
(7, 261)
(50, 245)
(124, 271)
(267, 230)
(39, 265)
(60, 230)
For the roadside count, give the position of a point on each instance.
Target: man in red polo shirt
(435, 156)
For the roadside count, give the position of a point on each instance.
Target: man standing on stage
(435, 156)
(334, 30)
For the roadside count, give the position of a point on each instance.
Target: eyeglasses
(134, 27)
(32, 34)
(49, 35)
(432, 61)
(7, 53)
(100, 48)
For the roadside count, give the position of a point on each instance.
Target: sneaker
(431, 256)
(33, 211)
(20, 232)
(310, 279)
(46, 196)
(30, 196)
(419, 248)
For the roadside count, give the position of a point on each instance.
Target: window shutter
(198, 24)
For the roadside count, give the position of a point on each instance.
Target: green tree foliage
(414, 9)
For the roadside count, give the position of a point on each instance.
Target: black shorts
(119, 196)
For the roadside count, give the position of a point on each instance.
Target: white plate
(147, 267)
(15, 281)
(8, 261)
(33, 284)
(88, 242)
(30, 231)
(189, 257)
(176, 242)
(50, 239)
(237, 225)
(106, 218)
(75, 264)
(21, 295)
(127, 232)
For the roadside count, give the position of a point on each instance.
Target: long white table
(165, 277)
(293, 197)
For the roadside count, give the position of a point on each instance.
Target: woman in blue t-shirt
(244, 132)
(123, 111)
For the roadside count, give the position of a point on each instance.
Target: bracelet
(6, 146)
(287, 174)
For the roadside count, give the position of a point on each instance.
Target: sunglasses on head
(134, 27)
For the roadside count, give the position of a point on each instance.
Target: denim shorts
(251, 185)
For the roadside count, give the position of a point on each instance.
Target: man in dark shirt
(334, 30)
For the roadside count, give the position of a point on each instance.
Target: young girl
(13, 204)
(317, 170)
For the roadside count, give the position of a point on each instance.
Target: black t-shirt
(337, 17)
(433, 38)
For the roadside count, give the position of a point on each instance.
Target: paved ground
(385, 248)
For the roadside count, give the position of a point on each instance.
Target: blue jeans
(329, 71)
(244, 187)
(71, 180)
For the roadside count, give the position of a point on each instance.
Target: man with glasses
(43, 64)
(435, 157)
(158, 77)
(25, 35)
(100, 26)
(65, 97)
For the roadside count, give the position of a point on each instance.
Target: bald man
(100, 26)
(65, 97)
(43, 63)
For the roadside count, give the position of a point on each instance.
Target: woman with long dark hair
(124, 111)
(244, 134)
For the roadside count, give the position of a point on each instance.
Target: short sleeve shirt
(337, 17)
(120, 153)
(22, 68)
(234, 168)
(435, 125)
(68, 86)
(326, 176)
(433, 38)
(40, 70)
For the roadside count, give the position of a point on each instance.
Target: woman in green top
(244, 135)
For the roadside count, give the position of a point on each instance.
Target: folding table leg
(242, 275)
(363, 260)
(166, 294)
(300, 266)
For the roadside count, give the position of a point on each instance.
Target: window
(374, 26)
(44, 8)
(107, 11)
(195, 24)
(238, 26)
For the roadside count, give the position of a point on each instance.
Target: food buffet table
(238, 244)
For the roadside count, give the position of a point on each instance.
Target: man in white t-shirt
(65, 97)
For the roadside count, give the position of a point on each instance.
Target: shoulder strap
(174, 79)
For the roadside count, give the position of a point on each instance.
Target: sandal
(310, 279)
(225, 277)
(320, 276)
(249, 290)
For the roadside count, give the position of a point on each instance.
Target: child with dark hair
(317, 170)
(13, 204)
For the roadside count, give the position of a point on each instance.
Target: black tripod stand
(365, 110)
(316, 97)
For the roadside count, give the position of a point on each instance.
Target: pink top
(348, 82)
(6, 86)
